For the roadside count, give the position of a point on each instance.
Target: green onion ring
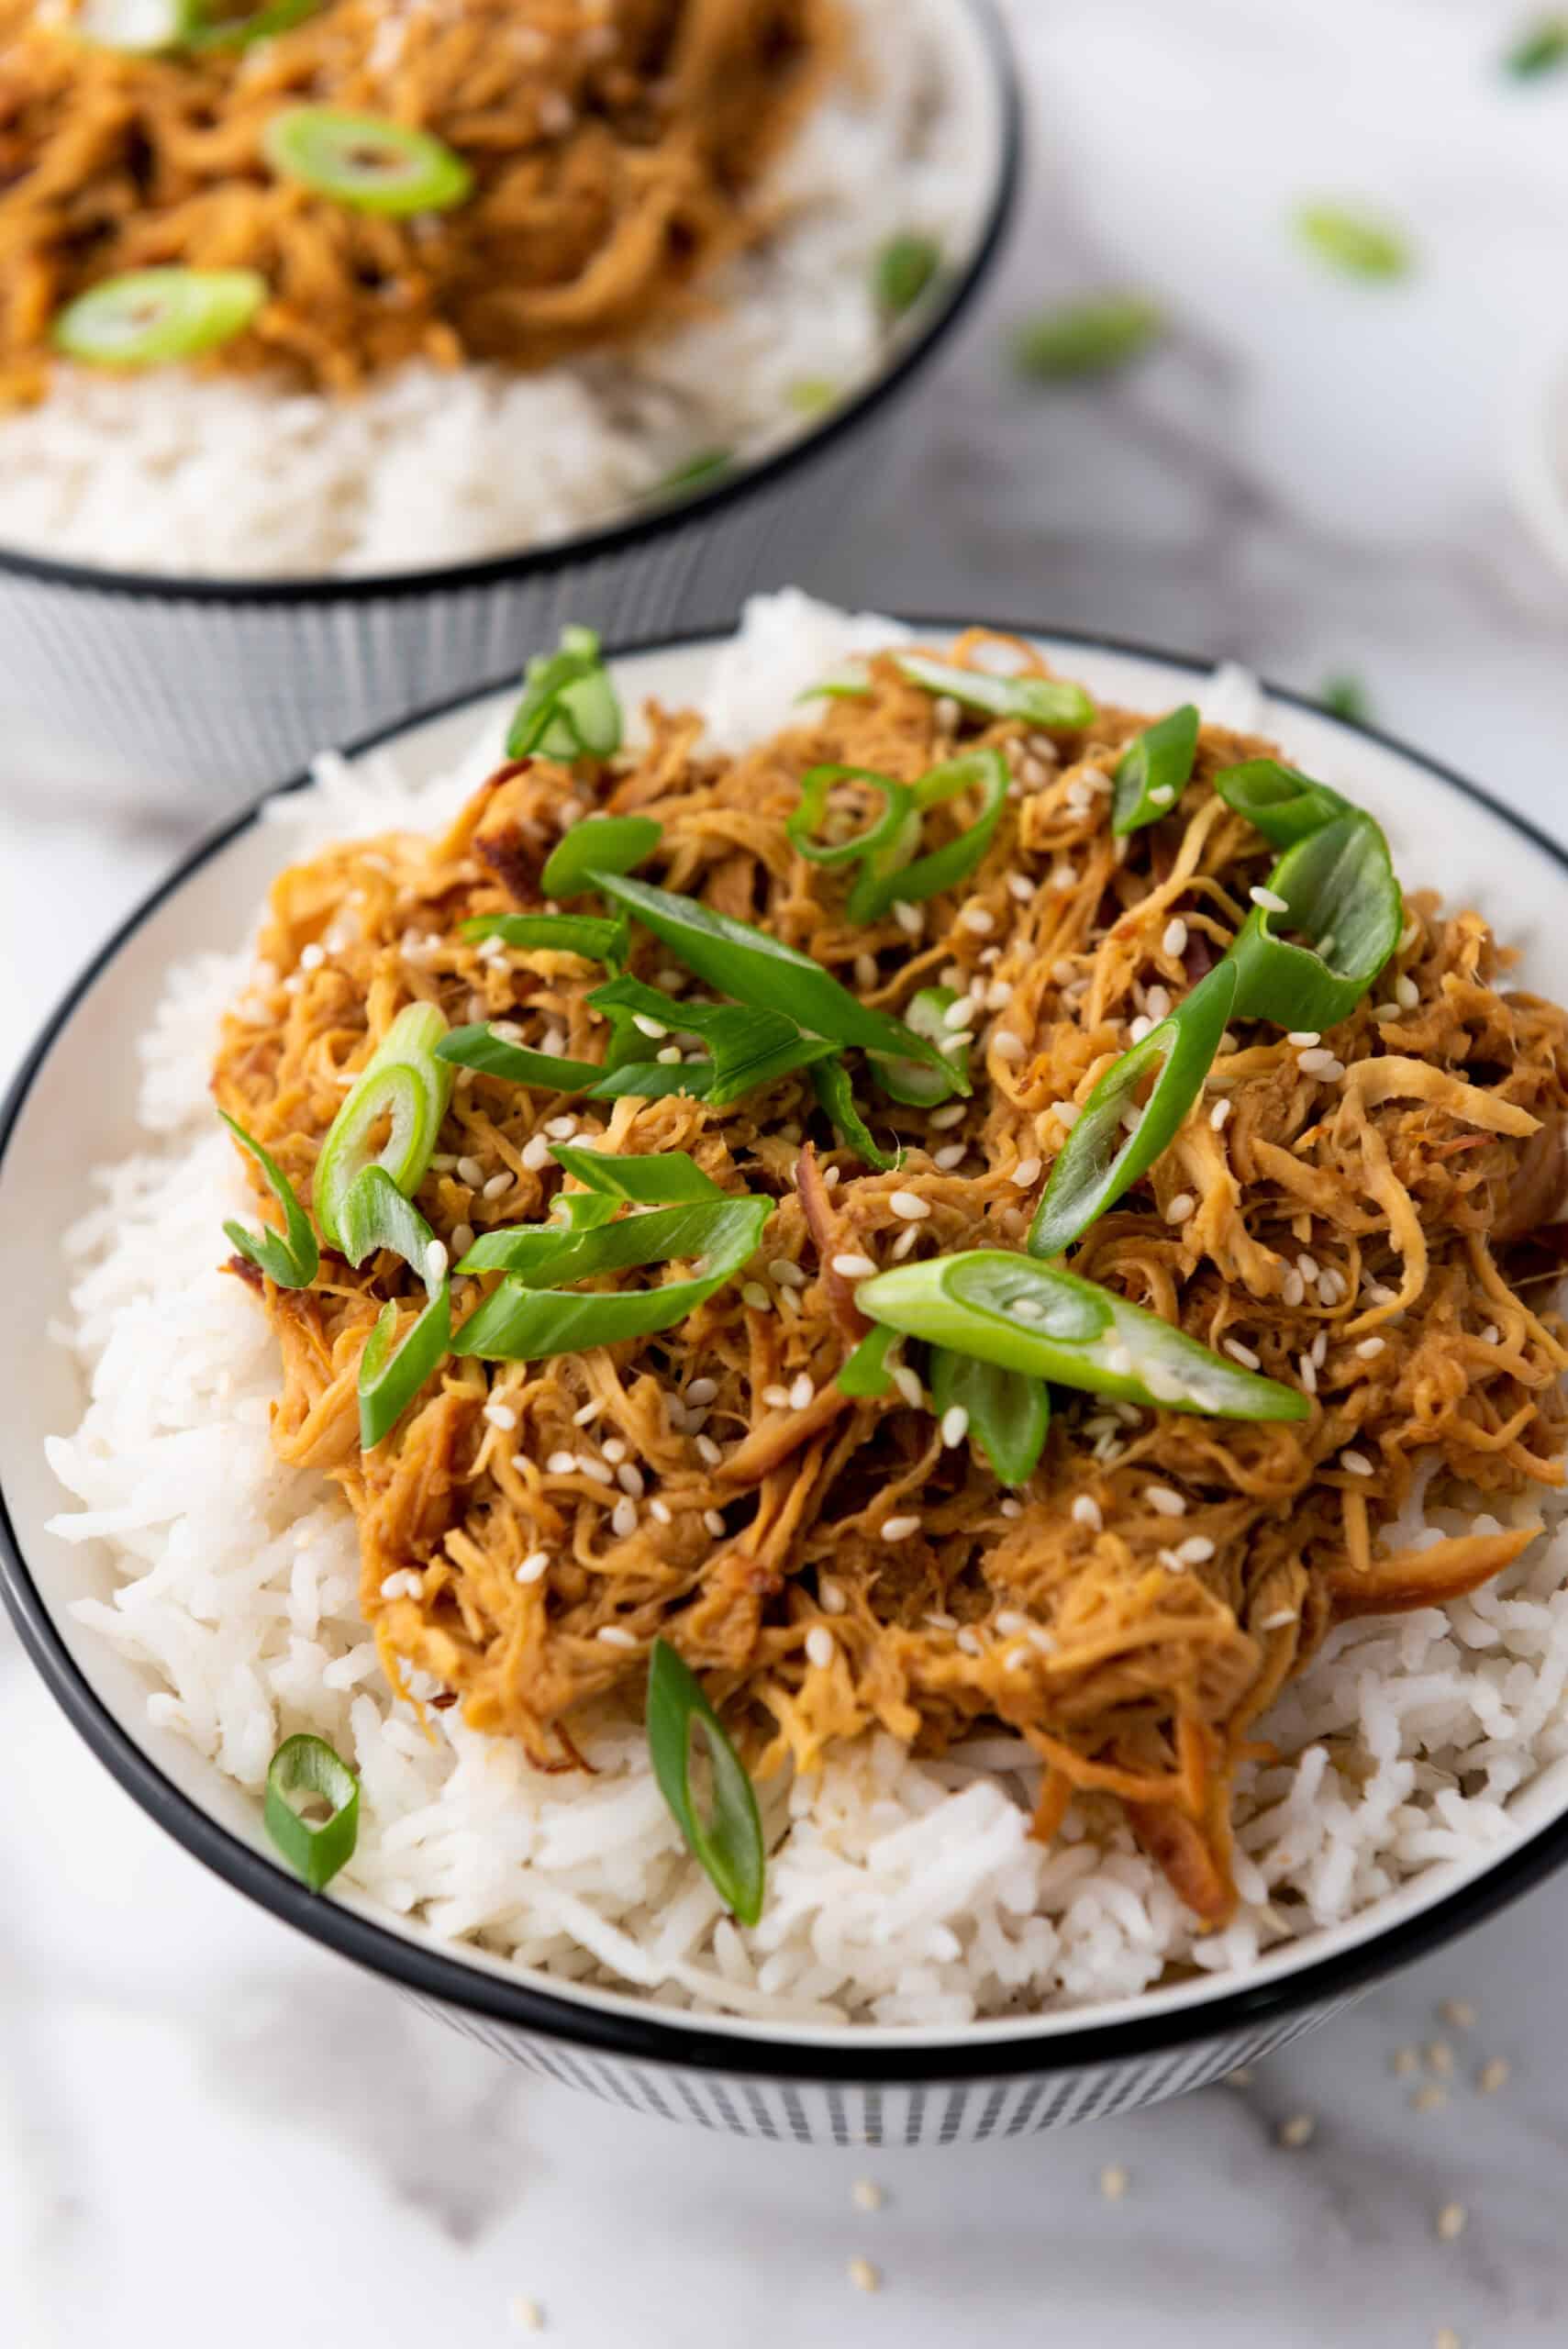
(305, 1764)
(366, 160)
(149, 318)
(405, 1079)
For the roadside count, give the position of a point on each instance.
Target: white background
(212, 2134)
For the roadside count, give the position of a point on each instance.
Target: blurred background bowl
(140, 688)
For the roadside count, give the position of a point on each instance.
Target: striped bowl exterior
(180, 692)
(1016, 2103)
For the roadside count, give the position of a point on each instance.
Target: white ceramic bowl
(151, 685)
(73, 1107)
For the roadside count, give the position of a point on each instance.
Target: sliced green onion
(389, 1382)
(944, 868)
(238, 32)
(837, 690)
(747, 1047)
(910, 1081)
(1153, 773)
(700, 471)
(1008, 1413)
(1025, 1316)
(376, 1215)
(810, 394)
(314, 1851)
(1345, 696)
(480, 1048)
(149, 317)
(729, 1845)
(867, 1372)
(1282, 803)
(836, 1094)
(405, 1080)
(1541, 48)
(760, 969)
(1353, 241)
(660, 1179)
(569, 709)
(291, 1258)
(1100, 1160)
(881, 848)
(1088, 338)
(1338, 885)
(654, 1081)
(366, 160)
(1039, 701)
(903, 269)
(603, 844)
(588, 935)
(523, 1323)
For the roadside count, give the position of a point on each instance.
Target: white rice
(900, 1892)
(207, 475)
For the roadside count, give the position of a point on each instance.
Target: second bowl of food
(867, 1376)
(343, 354)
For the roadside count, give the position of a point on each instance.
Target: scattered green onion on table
(1093, 336)
(903, 268)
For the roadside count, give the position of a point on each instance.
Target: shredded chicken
(1356, 1235)
(614, 145)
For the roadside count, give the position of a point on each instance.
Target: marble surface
(209, 2132)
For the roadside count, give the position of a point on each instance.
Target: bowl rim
(642, 2034)
(612, 538)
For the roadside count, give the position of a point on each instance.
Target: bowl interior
(75, 1109)
(980, 81)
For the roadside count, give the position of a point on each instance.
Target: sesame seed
(1493, 2075)
(1269, 900)
(1301, 2128)
(1491, 1335)
(436, 1260)
(1197, 1550)
(866, 2194)
(864, 2276)
(787, 1273)
(1321, 1348)
(526, 2313)
(1280, 1621)
(561, 1129)
(1369, 1348)
(1026, 1172)
(501, 1415)
(1161, 795)
(1174, 940)
(775, 1397)
(497, 1184)
(1087, 1512)
(1157, 1003)
(1113, 2181)
(1357, 1464)
(976, 919)
(613, 1450)
(853, 1267)
(951, 1154)
(955, 1425)
(909, 1205)
(469, 1172)
(1430, 2098)
(1007, 1047)
(1315, 1063)
(1440, 2058)
(1459, 2013)
(1180, 1207)
(1168, 1503)
(533, 1566)
(822, 1647)
(404, 1584)
(1293, 1288)
(753, 1294)
(1140, 1028)
(939, 1621)
(463, 1239)
(614, 1636)
(1027, 1308)
(714, 1521)
(910, 919)
(1011, 1508)
(596, 1469)
(707, 1450)
(1304, 1036)
(1406, 992)
(668, 1056)
(1021, 886)
(802, 1393)
(562, 1464)
(899, 1529)
(536, 1154)
(588, 1414)
(661, 1509)
(1445, 2337)
(703, 1390)
(830, 1597)
(968, 1642)
(1451, 2222)
(907, 1382)
(311, 958)
(1307, 1369)
(647, 1027)
(1306, 1266)
(1067, 1113)
(959, 1014)
(952, 1113)
(1243, 1355)
(623, 1518)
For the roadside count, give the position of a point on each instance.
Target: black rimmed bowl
(73, 1107)
(151, 684)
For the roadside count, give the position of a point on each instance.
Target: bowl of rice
(283, 458)
(199, 1569)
